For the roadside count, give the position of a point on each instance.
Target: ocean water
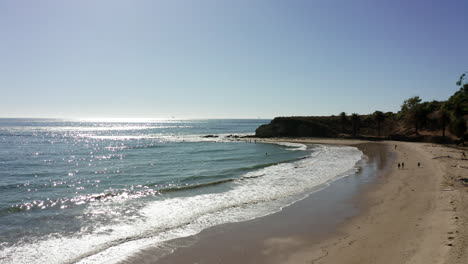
(96, 191)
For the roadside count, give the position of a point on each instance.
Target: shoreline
(331, 203)
(403, 216)
(417, 215)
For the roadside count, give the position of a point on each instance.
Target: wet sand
(267, 238)
(380, 215)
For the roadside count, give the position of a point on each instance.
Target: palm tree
(379, 117)
(343, 120)
(355, 120)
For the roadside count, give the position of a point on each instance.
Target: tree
(457, 111)
(413, 112)
(459, 103)
(460, 98)
(420, 117)
(462, 80)
(379, 117)
(410, 104)
(444, 119)
(343, 120)
(458, 128)
(356, 122)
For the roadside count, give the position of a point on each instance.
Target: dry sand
(411, 215)
(417, 215)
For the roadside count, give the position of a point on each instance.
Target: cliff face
(332, 126)
(295, 127)
(435, 121)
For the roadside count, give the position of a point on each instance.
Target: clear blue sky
(239, 58)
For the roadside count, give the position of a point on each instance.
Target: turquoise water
(94, 190)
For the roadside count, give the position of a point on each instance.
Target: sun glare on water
(124, 120)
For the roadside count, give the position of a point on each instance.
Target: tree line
(416, 115)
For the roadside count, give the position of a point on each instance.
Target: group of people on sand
(402, 165)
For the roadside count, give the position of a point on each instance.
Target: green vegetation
(356, 121)
(343, 120)
(429, 116)
(444, 117)
(379, 117)
(416, 121)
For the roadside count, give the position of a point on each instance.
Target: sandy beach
(409, 215)
(417, 215)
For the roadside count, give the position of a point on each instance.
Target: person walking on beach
(398, 165)
(419, 164)
(402, 165)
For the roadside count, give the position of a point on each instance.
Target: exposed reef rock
(210, 136)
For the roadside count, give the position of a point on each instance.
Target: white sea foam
(292, 146)
(201, 138)
(258, 193)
